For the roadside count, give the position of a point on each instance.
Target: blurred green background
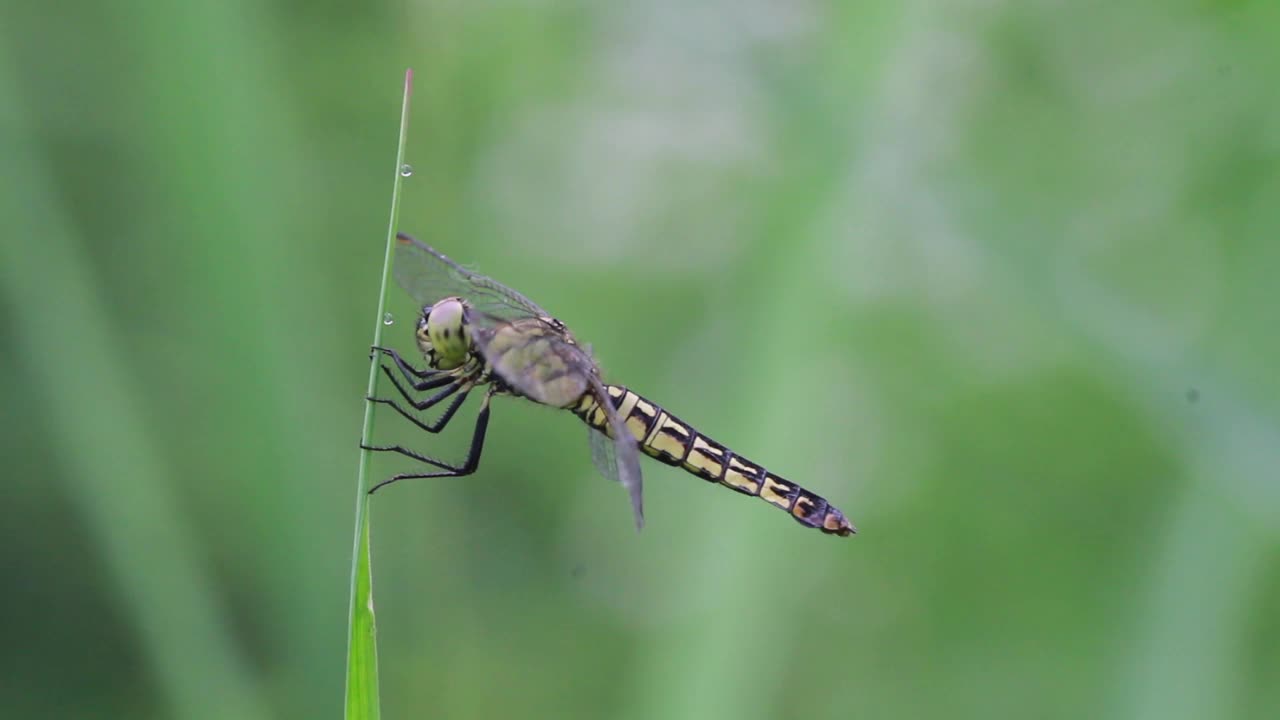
(992, 276)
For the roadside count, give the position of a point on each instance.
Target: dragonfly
(476, 333)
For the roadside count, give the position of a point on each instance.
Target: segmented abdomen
(667, 439)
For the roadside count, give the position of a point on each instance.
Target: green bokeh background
(998, 278)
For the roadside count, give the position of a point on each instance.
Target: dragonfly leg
(466, 468)
(440, 422)
(404, 365)
(450, 382)
(443, 378)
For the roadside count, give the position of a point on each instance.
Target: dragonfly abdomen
(669, 440)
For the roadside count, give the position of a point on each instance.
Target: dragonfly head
(442, 334)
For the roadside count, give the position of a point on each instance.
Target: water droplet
(406, 170)
(388, 318)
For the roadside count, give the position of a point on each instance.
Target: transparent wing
(618, 458)
(536, 358)
(602, 454)
(605, 459)
(427, 275)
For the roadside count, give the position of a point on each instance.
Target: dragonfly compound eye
(447, 332)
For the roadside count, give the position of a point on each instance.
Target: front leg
(441, 377)
(405, 368)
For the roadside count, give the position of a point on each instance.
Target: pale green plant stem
(362, 656)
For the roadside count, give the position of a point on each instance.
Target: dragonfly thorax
(442, 334)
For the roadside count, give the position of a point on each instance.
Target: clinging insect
(476, 334)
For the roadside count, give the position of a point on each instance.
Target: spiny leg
(439, 378)
(452, 384)
(404, 365)
(468, 466)
(440, 422)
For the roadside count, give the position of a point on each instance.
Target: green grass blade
(362, 645)
(113, 463)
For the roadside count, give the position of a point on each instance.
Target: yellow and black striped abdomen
(667, 439)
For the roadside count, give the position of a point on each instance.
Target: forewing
(428, 276)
